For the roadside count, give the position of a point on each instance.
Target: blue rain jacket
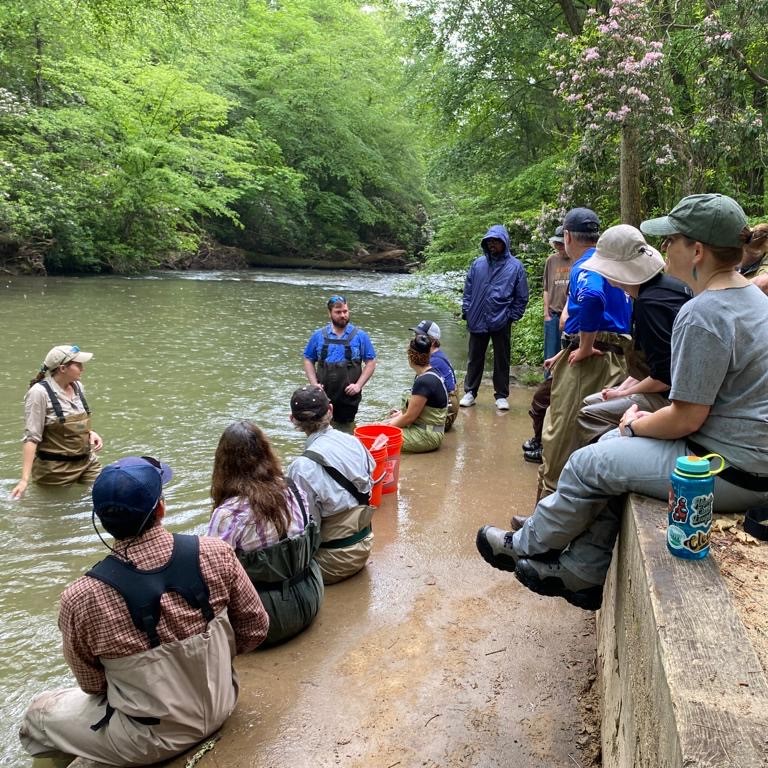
(496, 288)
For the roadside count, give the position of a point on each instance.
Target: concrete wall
(681, 685)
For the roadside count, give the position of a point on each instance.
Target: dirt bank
(429, 657)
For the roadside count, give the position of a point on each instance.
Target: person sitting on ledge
(149, 633)
(718, 404)
(425, 407)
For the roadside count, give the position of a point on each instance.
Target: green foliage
(131, 132)
(528, 334)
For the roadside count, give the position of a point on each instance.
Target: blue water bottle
(690, 505)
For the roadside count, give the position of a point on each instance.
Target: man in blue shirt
(440, 362)
(596, 336)
(341, 359)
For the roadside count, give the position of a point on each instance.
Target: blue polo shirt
(594, 304)
(361, 346)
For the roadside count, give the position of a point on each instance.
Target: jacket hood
(499, 231)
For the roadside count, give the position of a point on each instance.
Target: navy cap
(581, 220)
(127, 491)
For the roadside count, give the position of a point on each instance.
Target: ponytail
(39, 376)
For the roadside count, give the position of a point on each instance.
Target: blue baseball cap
(581, 220)
(127, 491)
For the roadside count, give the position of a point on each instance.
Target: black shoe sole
(588, 599)
(533, 459)
(497, 561)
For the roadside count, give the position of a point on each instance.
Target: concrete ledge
(681, 685)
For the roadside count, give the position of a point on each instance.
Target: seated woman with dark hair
(263, 516)
(422, 418)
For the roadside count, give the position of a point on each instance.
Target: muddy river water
(429, 657)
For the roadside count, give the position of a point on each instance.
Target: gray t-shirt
(720, 358)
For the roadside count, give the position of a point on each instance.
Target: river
(177, 357)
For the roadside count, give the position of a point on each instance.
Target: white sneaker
(467, 400)
(502, 404)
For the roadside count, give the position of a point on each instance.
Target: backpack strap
(344, 482)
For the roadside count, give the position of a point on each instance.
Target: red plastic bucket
(379, 473)
(368, 434)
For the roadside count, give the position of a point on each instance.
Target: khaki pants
(570, 385)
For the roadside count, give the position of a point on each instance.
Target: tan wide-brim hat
(623, 256)
(65, 353)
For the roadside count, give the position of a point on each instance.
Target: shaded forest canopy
(179, 132)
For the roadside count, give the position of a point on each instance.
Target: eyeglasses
(668, 240)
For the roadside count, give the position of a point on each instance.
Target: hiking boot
(495, 546)
(533, 456)
(467, 400)
(502, 403)
(532, 444)
(517, 522)
(551, 578)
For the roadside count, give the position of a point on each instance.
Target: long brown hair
(245, 466)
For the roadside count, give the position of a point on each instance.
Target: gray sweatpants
(584, 513)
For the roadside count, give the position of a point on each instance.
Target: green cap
(711, 219)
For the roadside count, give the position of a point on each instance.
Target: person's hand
(550, 361)
(547, 317)
(18, 491)
(580, 354)
(395, 412)
(611, 393)
(352, 389)
(96, 442)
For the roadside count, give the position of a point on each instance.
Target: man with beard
(341, 359)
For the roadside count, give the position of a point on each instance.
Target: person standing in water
(341, 359)
(59, 444)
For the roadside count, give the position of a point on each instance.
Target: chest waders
(347, 537)
(336, 376)
(427, 432)
(142, 591)
(64, 454)
(287, 578)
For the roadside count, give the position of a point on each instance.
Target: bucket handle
(380, 442)
(380, 479)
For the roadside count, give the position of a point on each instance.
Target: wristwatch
(628, 428)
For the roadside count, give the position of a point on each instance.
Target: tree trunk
(629, 176)
(38, 63)
(571, 16)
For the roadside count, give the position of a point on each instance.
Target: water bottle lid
(692, 465)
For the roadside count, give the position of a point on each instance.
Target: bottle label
(690, 523)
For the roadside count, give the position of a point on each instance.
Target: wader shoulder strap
(142, 590)
(79, 392)
(344, 482)
(346, 343)
(297, 496)
(54, 400)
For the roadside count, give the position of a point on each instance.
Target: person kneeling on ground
(424, 408)
(264, 517)
(718, 404)
(336, 474)
(149, 633)
(440, 362)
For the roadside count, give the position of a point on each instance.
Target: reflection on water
(176, 358)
